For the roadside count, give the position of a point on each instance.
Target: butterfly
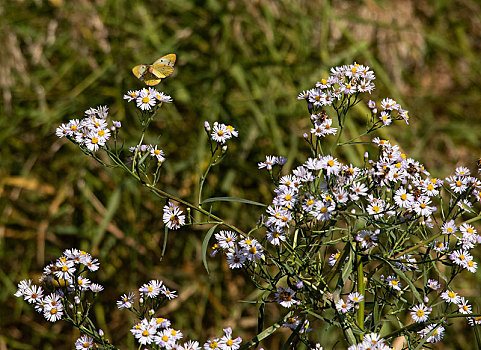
(152, 74)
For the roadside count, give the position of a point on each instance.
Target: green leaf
(478, 338)
(112, 207)
(232, 199)
(164, 245)
(205, 245)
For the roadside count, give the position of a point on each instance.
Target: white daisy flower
(420, 313)
(145, 101)
(84, 342)
(126, 301)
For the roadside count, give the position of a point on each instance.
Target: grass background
(240, 62)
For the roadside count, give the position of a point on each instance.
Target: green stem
(361, 289)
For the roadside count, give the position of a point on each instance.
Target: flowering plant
(371, 248)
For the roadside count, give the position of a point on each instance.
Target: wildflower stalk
(361, 289)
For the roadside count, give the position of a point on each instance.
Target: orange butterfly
(152, 74)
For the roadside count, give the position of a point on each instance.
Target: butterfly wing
(168, 60)
(140, 70)
(161, 70)
(150, 79)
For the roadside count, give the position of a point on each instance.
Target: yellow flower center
(252, 250)
(394, 282)
(95, 140)
(220, 133)
(213, 345)
(420, 313)
(145, 99)
(323, 81)
(376, 208)
(229, 342)
(404, 196)
(101, 132)
(451, 294)
(53, 311)
(145, 333)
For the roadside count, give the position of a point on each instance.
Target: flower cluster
(92, 131)
(386, 215)
(219, 132)
(156, 330)
(153, 150)
(146, 99)
(344, 81)
(66, 278)
(238, 253)
(390, 110)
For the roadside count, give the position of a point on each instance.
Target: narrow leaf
(231, 199)
(205, 245)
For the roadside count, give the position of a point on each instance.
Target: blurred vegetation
(241, 62)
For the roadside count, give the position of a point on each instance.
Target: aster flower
(84, 342)
(420, 313)
(285, 297)
(126, 301)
